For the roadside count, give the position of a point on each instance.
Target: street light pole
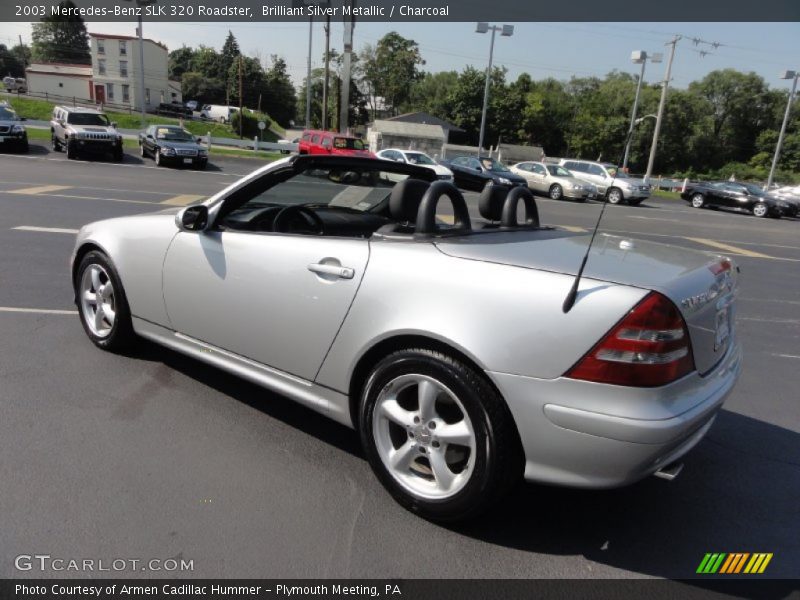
(140, 36)
(507, 31)
(638, 56)
(661, 105)
(308, 75)
(786, 75)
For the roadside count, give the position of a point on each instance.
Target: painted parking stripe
(44, 229)
(78, 197)
(182, 199)
(729, 248)
(572, 228)
(39, 189)
(36, 311)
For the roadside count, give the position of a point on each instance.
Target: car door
(597, 176)
(538, 180)
(275, 298)
(736, 197)
(149, 140)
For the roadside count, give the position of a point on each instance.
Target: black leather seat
(404, 204)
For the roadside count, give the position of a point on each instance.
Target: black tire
(698, 201)
(54, 143)
(121, 335)
(760, 210)
(72, 150)
(24, 147)
(157, 158)
(142, 151)
(118, 155)
(499, 459)
(614, 196)
(556, 192)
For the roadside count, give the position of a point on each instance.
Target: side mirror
(149, 136)
(114, 124)
(192, 218)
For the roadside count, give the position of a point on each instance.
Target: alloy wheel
(98, 303)
(424, 436)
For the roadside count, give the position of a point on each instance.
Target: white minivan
(218, 112)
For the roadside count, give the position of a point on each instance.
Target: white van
(218, 112)
(15, 84)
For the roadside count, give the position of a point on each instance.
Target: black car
(738, 196)
(172, 144)
(12, 135)
(473, 173)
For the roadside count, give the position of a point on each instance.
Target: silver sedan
(447, 347)
(554, 181)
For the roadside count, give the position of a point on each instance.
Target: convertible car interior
(364, 198)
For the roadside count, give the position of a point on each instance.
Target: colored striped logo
(734, 563)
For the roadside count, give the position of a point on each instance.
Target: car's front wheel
(102, 303)
(556, 192)
(615, 196)
(760, 210)
(438, 435)
(157, 158)
(698, 201)
(54, 143)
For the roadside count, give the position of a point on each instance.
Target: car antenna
(569, 301)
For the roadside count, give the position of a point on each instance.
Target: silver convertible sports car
(448, 346)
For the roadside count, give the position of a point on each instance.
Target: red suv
(314, 141)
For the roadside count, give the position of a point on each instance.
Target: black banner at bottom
(405, 589)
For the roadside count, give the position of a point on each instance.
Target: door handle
(335, 270)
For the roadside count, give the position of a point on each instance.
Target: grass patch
(42, 110)
(669, 195)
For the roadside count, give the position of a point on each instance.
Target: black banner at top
(410, 10)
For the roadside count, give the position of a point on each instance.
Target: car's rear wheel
(102, 303)
(760, 210)
(157, 158)
(142, 151)
(698, 201)
(556, 192)
(614, 196)
(438, 435)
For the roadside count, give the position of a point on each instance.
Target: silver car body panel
(248, 303)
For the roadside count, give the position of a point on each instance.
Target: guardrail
(255, 144)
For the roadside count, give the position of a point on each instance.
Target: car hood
(691, 279)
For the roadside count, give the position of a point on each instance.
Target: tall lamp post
(140, 35)
(786, 75)
(638, 57)
(507, 31)
(662, 103)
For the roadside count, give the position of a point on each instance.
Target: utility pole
(308, 73)
(638, 56)
(787, 75)
(241, 114)
(661, 105)
(327, 73)
(24, 52)
(507, 31)
(344, 108)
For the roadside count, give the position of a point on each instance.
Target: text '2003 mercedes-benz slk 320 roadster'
(449, 347)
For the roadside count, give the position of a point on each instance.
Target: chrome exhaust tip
(669, 472)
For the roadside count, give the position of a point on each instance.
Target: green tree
(280, 100)
(61, 39)
(390, 68)
(432, 93)
(252, 80)
(181, 61)
(228, 56)
(206, 90)
(10, 64)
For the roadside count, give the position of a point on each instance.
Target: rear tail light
(649, 347)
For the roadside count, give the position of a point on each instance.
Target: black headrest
(490, 203)
(405, 199)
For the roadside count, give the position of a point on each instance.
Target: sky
(559, 50)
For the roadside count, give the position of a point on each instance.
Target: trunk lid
(698, 283)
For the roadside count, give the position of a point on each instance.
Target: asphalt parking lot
(156, 456)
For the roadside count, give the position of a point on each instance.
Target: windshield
(174, 134)
(87, 119)
(6, 114)
(753, 189)
(343, 143)
(559, 171)
(418, 158)
(491, 164)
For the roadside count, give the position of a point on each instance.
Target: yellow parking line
(729, 248)
(572, 228)
(449, 219)
(182, 199)
(40, 189)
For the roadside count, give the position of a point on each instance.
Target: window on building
(101, 66)
(123, 48)
(126, 93)
(123, 68)
(147, 96)
(109, 91)
(101, 46)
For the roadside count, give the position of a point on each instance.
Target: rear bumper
(585, 434)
